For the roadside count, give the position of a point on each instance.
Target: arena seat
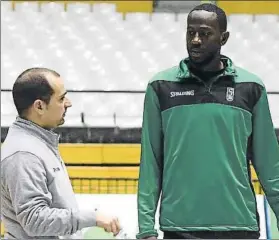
(2, 229)
(103, 172)
(100, 153)
(26, 6)
(51, 8)
(78, 8)
(97, 48)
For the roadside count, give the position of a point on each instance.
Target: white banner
(124, 206)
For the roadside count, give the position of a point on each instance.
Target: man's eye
(205, 33)
(191, 33)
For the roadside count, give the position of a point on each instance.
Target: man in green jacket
(204, 121)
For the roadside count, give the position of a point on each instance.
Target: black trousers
(212, 235)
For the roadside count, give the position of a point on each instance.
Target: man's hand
(108, 223)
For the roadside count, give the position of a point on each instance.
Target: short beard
(205, 62)
(201, 65)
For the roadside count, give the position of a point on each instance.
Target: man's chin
(200, 62)
(61, 122)
(197, 60)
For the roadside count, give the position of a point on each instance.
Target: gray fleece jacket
(36, 194)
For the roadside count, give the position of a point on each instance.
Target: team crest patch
(230, 94)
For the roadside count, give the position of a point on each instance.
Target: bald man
(37, 197)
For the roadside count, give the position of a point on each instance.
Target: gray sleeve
(25, 180)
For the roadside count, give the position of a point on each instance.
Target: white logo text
(185, 93)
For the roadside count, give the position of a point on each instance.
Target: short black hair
(31, 85)
(221, 15)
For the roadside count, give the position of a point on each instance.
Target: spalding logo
(185, 93)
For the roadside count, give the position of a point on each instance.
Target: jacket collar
(48, 136)
(184, 72)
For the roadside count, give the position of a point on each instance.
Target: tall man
(36, 194)
(203, 121)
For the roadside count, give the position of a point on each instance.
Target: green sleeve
(266, 152)
(149, 186)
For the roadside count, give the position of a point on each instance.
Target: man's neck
(34, 121)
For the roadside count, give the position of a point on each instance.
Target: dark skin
(204, 41)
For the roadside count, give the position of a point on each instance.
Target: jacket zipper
(208, 86)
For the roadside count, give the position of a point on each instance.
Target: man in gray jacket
(36, 194)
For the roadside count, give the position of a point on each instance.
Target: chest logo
(185, 93)
(57, 169)
(230, 94)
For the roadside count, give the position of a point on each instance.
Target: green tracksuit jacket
(197, 140)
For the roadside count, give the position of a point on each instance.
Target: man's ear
(39, 106)
(224, 38)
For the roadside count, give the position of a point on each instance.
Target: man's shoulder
(18, 141)
(245, 76)
(169, 74)
(19, 161)
(20, 154)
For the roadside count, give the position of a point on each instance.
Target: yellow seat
(103, 172)
(2, 229)
(100, 153)
(249, 7)
(121, 6)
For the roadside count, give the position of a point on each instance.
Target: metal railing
(105, 185)
(116, 91)
(113, 115)
(120, 185)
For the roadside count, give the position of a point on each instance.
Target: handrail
(116, 91)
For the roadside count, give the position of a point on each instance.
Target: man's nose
(196, 39)
(68, 103)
